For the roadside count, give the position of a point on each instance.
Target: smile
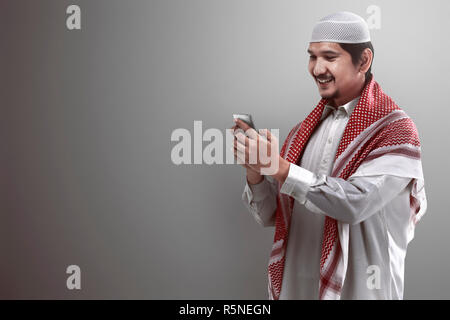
(324, 81)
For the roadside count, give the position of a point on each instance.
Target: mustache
(324, 77)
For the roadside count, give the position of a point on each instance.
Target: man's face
(332, 69)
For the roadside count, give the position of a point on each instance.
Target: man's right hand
(254, 177)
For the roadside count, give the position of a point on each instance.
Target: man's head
(341, 56)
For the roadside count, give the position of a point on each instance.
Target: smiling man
(349, 187)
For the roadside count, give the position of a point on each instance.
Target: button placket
(327, 149)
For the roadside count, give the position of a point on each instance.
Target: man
(349, 186)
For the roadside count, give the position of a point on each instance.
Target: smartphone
(247, 118)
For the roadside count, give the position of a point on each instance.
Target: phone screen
(247, 118)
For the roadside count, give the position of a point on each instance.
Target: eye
(331, 58)
(312, 57)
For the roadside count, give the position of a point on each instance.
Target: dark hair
(356, 50)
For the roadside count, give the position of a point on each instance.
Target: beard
(330, 95)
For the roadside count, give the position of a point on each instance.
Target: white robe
(375, 205)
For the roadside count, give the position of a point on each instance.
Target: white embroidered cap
(342, 27)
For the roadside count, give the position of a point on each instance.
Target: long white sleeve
(260, 200)
(350, 201)
(375, 204)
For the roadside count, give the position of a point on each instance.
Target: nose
(319, 68)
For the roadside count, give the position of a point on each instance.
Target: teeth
(324, 81)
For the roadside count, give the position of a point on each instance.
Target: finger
(241, 124)
(233, 130)
(242, 138)
(266, 134)
(237, 130)
(247, 129)
(239, 159)
(240, 156)
(242, 150)
(252, 133)
(239, 147)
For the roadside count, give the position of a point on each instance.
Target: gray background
(85, 125)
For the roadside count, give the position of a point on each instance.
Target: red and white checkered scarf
(377, 126)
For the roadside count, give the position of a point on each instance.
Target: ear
(366, 60)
